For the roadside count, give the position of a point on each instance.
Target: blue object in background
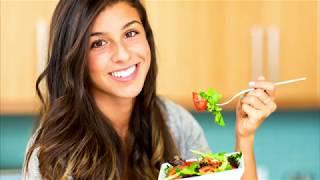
(287, 145)
(15, 132)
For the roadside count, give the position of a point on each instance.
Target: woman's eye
(98, 43)
(131, 34)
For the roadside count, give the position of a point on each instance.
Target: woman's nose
(121, 53)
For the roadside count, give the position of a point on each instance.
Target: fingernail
(252, 83)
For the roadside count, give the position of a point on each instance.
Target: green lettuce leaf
(213, 98)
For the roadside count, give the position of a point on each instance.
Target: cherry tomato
(200, 103)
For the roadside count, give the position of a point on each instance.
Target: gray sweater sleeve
(185, 130)
(33, 172)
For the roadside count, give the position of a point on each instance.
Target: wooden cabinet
(200, 44)
(203, 44)
(299, 49)
(18, 62)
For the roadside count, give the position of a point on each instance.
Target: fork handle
(248, 90)
(290, 81)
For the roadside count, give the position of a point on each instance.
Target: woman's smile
(126, 74)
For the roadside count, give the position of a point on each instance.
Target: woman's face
(119, 55)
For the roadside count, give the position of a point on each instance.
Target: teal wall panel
(287, 144)
(14, 134)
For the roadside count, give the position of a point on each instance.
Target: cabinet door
(18, 53)
(297, 24)
(209, 44)
(200, 44)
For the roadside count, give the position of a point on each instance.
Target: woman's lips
(126, 74)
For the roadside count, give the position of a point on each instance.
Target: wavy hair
(74, 138)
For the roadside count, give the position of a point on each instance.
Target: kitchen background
(222, 44)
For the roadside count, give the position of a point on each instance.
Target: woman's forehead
(113, 18)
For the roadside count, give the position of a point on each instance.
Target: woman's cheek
(97, 61)
(140, 46)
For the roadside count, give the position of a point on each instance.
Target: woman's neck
(117, 110)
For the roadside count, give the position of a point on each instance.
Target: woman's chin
(128, 93)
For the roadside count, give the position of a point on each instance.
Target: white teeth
(124, 73)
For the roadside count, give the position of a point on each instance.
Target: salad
(208, 101)
(206, 164)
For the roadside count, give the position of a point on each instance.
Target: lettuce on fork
(208, 101)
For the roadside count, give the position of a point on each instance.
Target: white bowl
(228, 174)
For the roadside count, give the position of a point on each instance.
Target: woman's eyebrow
(129, 23)
(125, 26)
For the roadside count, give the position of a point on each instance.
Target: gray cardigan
(185, 130)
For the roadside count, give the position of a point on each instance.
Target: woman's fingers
(254, 116)
(267, 101)
(254, 101)
(269, 87)
(257, 104)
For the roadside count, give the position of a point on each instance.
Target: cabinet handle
(318, 54)
(42, 38)
(257, 51)
(273, 51)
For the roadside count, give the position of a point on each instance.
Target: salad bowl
(227, 169)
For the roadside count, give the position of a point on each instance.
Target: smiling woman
(101, 116)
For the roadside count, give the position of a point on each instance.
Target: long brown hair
(74, 138)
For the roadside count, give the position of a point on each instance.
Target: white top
(185, 130)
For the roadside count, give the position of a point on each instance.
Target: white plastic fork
(248, 90)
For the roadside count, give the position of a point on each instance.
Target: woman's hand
(254, 107)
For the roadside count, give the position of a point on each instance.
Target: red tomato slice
(206, 169)
(186, 164)
(200, 104)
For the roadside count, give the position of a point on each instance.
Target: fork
(248, 90)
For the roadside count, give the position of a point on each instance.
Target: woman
(101, 116)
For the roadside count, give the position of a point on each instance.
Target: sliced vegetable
(200, 103)
(208, 101)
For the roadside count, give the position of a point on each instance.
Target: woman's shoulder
(184, 128)
(32, 164)
(175, 113)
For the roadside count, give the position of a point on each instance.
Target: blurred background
(222, 44)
